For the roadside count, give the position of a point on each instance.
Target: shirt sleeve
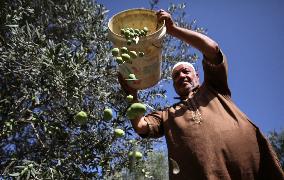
(155, 125)
(216, 75)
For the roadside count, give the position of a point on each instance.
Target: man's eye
(186, 71)
(175, 75)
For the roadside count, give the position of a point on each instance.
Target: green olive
(81, 117)
(107, 114)
(127, 33)
(119, 133)
(133, 54)
(115, 52)
(135, 154)
(141, 54)
(131, 76)
(137, 31)
(136, 110)
(128, 42)
(119, 60)
(129, 98)
(122, 31)
(125, 57)
(124, 50)
(145, 29)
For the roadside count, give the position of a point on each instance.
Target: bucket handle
(157, 46)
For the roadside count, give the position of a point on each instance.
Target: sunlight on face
(185, 79)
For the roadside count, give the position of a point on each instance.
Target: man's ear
(197, 75)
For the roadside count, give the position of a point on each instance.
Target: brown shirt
(208, 137)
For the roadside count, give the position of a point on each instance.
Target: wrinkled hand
(165, 16)
(127, 89)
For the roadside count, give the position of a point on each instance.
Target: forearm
(203, 43)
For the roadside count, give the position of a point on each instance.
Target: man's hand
(139, 124)
(165, 16)
(127, 89)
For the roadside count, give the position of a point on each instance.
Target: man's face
(185, 79)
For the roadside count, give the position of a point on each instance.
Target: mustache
(185, 80)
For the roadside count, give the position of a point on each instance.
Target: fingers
(123, 83)
(163, 15)
(160, 13)
(161, 10)
(120, 78)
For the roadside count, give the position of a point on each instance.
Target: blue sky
(251, 34)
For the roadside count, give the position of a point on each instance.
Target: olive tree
(55, 61)
(155, 167)
(277, 141)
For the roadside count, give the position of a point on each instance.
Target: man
(207, 136)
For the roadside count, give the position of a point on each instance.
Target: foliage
(55, 61)
(277, 141)
(155, 167)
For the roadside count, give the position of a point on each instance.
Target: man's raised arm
(203, 43)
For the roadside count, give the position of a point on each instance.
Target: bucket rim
(134, 9)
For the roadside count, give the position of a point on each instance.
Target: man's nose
(182, 75)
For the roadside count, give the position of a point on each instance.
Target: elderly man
(207, 136)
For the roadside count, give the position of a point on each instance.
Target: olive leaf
(15, 174)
